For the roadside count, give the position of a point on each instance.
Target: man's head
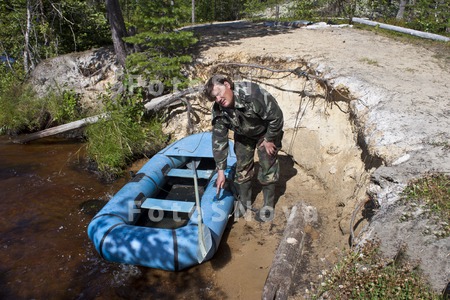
(219, 88)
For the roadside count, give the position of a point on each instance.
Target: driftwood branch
(289, 253)
(155, 104)
(59, 129)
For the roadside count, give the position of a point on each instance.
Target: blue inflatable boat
(153, 220)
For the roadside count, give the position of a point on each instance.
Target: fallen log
(418, 33)
(289, 253)
(59, 129)
(155, 104)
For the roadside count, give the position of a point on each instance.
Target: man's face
(223, 95)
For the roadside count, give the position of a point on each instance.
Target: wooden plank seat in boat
(168, 205)
(188, 173)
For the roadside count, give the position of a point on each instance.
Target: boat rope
(195, 149)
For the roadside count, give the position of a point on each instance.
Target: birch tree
(401, 10)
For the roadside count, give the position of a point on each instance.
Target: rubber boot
(245, 199)
(267, 212)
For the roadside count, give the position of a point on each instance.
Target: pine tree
(162, 49)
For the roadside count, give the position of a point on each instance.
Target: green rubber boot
(245, 199)
(267, 212)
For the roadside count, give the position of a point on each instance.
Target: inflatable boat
(168, 215)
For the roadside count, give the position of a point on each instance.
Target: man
(257, 121)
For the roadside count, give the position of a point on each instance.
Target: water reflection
(47, 200)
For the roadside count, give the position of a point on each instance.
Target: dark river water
(47, 199)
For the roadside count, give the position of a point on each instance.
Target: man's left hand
(270, 147)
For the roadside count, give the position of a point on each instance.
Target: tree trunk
(118, 30)
(193, 11)
(26, 47)
(289, 253)
(401, 10)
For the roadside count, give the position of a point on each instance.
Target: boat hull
(118, 237)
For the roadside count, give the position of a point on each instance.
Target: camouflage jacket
(256, 115)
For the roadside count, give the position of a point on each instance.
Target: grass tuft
(432, 193)
(114, 143)
(22, 111)
(366, 274)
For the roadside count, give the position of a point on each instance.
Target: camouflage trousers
(244, 148)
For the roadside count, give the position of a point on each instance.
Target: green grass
(443, 144)
(366, 274)
(369, 61)
(18, 109)
(114, 143)
(22, 111)
(434, 189)
(432, 192)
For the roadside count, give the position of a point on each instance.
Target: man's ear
(227, 84)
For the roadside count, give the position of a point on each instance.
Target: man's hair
(217, 79)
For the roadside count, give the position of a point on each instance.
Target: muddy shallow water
(47, 200)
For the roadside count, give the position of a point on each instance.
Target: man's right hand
(220, 181)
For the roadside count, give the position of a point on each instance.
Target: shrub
(21, 110)
(18, 109)
(128, 134)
